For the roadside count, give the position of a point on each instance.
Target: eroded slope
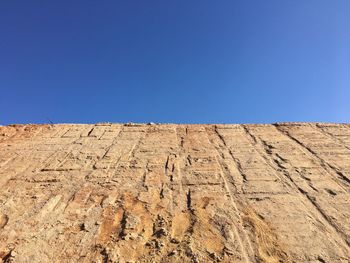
(175, 193)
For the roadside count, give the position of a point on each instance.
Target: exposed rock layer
(175, 193)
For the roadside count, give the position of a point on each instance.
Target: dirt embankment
(175, 193)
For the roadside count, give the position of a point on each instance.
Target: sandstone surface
(175, 193)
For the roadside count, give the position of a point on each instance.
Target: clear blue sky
(175, 61)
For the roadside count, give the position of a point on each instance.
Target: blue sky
(174, 61)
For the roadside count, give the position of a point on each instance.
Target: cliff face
(175, 193)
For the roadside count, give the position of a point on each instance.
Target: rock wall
(175, 193)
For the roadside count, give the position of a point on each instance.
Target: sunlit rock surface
(175, 193)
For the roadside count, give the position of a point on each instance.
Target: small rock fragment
(3, 220)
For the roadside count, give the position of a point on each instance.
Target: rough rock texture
(175, 193)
